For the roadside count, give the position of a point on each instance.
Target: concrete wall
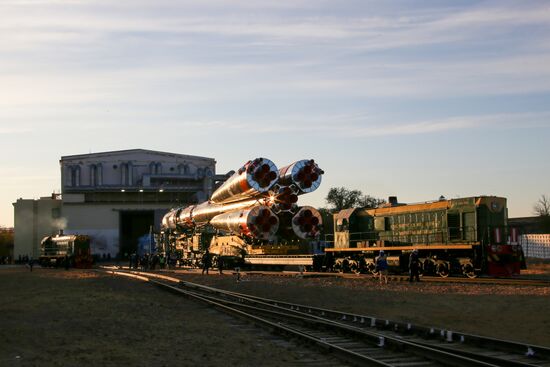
(102, 223)
(34, 220)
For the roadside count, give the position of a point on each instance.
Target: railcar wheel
(443, 270)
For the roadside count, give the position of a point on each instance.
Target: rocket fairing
(304, 174)
(254, 178)
(257, 222)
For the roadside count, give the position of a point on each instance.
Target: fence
(536, 245)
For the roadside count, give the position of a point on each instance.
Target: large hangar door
(134, 224)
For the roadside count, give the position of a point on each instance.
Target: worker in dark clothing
(220, 264)
(414, 266)
(206, 261)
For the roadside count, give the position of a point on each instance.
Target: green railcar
(466, 235)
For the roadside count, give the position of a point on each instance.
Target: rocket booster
(254, 178)
(305, 175)
(307, 223)
(251, 200)
(258, 222)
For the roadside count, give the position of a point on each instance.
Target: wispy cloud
(361, 126)
(7, 130)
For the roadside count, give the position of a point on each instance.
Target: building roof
(117, 152)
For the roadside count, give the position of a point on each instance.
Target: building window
(155, 168)
(93, 175)
(99, 174)
(74, 180)
(124, 174)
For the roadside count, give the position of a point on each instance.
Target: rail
(360, 338)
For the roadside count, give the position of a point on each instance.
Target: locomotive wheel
(469, 271)
(372, 268)
(443, 270)
(338, 266)
(354, 267)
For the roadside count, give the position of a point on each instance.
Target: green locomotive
(466, 235)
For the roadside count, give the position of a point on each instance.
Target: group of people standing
(147, 261)
(207, 262)
(381, 262)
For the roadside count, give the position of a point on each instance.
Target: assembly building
(114, 197)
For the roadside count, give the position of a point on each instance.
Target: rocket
(255, 200)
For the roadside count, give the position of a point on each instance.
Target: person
(382, 266)
(206, 261)
(161, 261)
(220, 264)
(414, 266)
(66, 262)
(31, 263)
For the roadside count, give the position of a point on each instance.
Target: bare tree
(542, 207)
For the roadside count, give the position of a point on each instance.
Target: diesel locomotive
(56, 250)
(468, 236)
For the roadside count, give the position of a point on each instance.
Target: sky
(414, 99)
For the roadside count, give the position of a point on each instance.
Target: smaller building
(35, 219)
(531, 225)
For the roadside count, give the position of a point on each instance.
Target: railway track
(403, 278)
(358, 339)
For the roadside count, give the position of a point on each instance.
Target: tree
(6, 241)
(542, 206)
(340, 198)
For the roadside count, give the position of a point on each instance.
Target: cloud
(361, 126)
(5, 130)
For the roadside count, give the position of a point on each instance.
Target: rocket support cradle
(250, 202)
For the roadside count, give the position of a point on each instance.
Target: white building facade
(116, 197)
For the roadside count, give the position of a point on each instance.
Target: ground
(80, 317)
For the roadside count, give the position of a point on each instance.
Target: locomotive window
(380, 224)
(453, 223)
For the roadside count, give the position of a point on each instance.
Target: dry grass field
(80, 317)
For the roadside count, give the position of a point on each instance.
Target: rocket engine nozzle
(254, 178)
(256, 222)
(304, 174)
(307, 223)
(283, 199)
